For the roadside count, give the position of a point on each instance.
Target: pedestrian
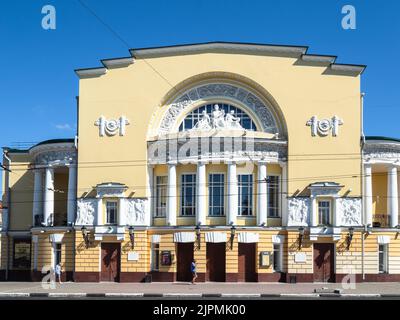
(58, 272)
(194, 272)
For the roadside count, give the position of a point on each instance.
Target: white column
(201, 187)
(49, 197)
(99, 210)
(71, 206)
(232, 194)
(37, 195)
(284, 195)
(171, 199)
(393, 205)
(35, 240)
(121, 212)
(151, 194)
(262, 193)
(368, 194)
(314, 212)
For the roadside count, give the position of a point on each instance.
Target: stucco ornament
(112, 126)
(136, 212)
(298, 211)
(325, 126)
(350, 211)
(215, 91)
(85, 212)
(218, 120)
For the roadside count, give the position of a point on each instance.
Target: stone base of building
(132, 277)
(87, 276)
(37, 276)
(2, 275)
(381, 277)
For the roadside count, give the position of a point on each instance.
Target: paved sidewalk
(196, 290)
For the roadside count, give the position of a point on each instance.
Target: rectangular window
(277, 258)
(22, 254)
(155, 257)
(383, 258)
(188, 195)
(245, 191)
(324, 212)
(57, 253)
(161, 196)
(216, 194)
(273, 196)
(111, 210)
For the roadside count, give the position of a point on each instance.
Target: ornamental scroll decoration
(219, 90)
(112, 126)
(324, 126)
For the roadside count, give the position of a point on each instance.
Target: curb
(8, 295)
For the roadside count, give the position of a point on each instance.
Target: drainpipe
(7, 188)
(362, 142)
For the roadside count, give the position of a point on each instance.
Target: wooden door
(184, 261)
(247, 262)
(324, 262)
(216, 261)
(110, 262)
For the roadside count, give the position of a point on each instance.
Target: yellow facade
(311, 188)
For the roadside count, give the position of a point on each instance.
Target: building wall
(379, 196)
(312, 92)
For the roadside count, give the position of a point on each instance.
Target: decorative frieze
(299, 210)
(86, 212)
(324, 126)
(137, 212)
(348, 211)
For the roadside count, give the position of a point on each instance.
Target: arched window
(243, 120)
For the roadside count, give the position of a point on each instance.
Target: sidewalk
(180, 288)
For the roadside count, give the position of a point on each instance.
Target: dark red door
(247, 262)
(110, 261)
(324, 262)
(184, 261)
(216, 261)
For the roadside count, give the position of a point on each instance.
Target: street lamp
(132, 236)
(85, 235)
(350, 237)
(301, 236)
(233, 232)
(198, 235)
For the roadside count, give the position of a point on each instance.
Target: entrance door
(184, 261)
(216, 261)
(324, 262)
(110, 261)
(247, 262)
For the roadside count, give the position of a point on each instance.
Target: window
(111, 209)
(273, 196)
(57, 254)
(216, 194)
(161, 196)
(22, 254)
(245, 191)
(277, 258)
(155, 256)
(188, 195)
(324, 212)
(193, 117)
(383, 258)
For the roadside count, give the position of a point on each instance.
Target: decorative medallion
(112, 126)
(325, 126)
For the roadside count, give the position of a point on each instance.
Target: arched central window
(233, 116)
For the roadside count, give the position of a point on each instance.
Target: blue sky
(38, 84)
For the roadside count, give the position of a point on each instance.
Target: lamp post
(132, 236)
(233, 232)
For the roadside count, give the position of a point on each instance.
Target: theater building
(249, 158)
